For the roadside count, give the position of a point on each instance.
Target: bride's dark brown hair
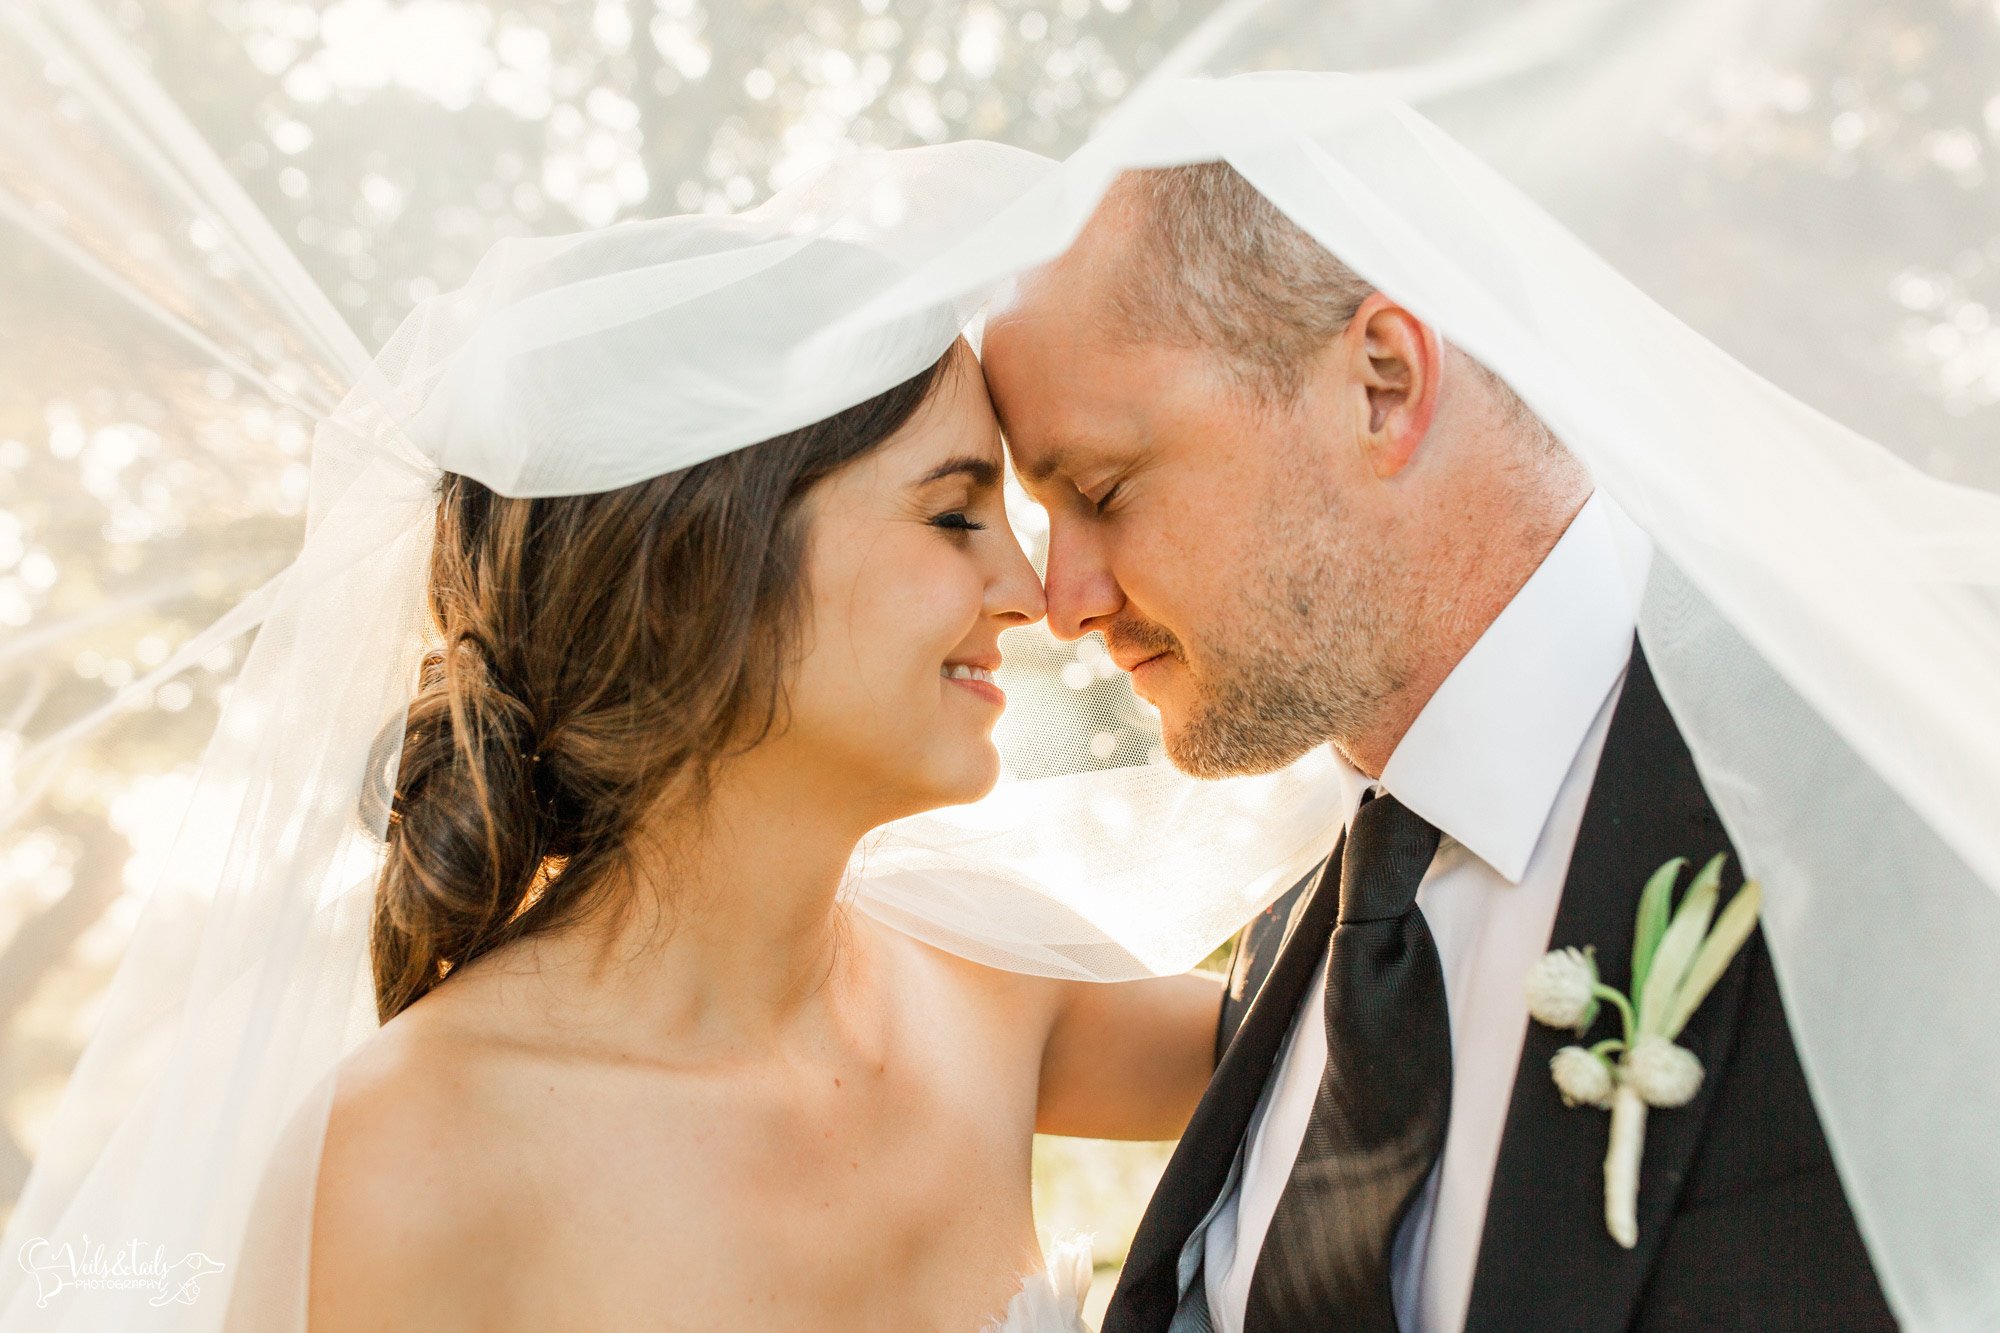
(601, 653)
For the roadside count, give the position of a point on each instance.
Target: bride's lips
(979, 682)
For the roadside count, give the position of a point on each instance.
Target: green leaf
(1731, 929)
(1677, 947)
(1654, 905)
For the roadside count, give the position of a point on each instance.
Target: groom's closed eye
(1084, 475)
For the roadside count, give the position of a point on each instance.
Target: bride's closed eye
(977, 489)
(957, 521)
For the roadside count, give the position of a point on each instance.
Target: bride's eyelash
(956, 521)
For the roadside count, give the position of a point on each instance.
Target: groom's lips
(1134, 664)
(1142, 679)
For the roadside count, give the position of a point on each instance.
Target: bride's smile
(913, 573)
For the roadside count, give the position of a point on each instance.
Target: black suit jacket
(1742, 1220)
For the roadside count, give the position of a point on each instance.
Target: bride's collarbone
(542, 1185)
(704, 1181)
(526, 1108)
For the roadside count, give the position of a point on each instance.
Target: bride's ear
(1396, 362)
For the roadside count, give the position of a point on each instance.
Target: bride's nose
(1014, 595)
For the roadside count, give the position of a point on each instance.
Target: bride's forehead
(954, 424)
(958, 411)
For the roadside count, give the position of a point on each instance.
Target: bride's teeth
(959, 672)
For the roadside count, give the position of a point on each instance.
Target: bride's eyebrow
(983, 472)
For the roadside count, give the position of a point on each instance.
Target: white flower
(1661, 1072)
(1559, 989)
(1583, 1077)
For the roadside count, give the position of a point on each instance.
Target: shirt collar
(1486, 758)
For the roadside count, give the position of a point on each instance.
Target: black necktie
(1378, 1122)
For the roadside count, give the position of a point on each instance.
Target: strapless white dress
(1051, 1301)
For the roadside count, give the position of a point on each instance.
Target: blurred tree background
(154, 434)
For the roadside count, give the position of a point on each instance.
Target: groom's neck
(1469, 589)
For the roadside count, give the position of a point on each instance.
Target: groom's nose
(1079, 589)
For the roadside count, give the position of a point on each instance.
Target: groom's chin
(1202, 749)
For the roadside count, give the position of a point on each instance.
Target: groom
(1298, 517)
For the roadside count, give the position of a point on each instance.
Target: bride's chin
(975, 772)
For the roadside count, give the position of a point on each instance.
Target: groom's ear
(1395, 360)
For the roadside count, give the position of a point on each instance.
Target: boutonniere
(1675, 962)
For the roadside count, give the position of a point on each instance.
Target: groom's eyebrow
(983, 472)
(1050, 463)
(1062, 459)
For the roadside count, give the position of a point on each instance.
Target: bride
(637, 1056)
(640, 1065)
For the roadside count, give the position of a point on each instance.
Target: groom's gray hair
(1219, 266)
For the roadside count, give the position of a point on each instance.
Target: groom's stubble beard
(1313, 652)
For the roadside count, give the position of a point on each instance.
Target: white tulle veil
(1823, 619)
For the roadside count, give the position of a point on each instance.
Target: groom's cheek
(1169, 557)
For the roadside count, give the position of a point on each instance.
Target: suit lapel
(1149, 1287)
(1257, 948)
(1545, 1259)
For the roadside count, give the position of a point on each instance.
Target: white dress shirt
(1501, 760)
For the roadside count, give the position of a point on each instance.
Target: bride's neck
(732, 940)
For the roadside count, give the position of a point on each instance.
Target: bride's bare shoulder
(1025, 1003)
(406, 1182)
